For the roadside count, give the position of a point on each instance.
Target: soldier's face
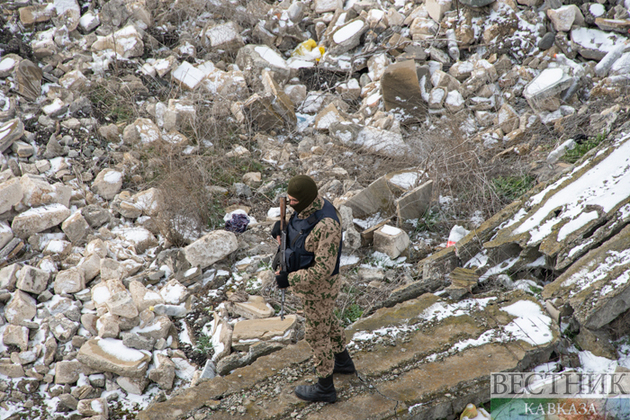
(292, 201)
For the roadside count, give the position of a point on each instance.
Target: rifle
(283, 246)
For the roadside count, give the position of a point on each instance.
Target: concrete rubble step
(424, 358)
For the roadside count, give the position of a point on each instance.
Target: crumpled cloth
(238, 223)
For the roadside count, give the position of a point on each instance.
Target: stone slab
(415, 203)
(597, 286)
(413, 334)
(376, 197)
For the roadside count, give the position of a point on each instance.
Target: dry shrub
(178, 19)
(463, 169)
(186, 203)
(190, 204)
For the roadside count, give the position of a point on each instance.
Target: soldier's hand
(275, 231)
(282, 280)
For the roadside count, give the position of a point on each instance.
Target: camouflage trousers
(323, 332)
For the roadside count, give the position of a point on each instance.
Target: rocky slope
(128, 129)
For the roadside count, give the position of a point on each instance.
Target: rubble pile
(97, 304)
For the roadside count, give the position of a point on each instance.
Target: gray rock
(95, 215)
(68, 371)
(39, 219)
(108, 183)
(63, 328)
(211, 248)
(15, 335)
(546, 41)
(69, 281)
(10, 132)
(8, 276)
(163, 373)
(29, 78)
(11, 193)
(137, 341)
(32, 279)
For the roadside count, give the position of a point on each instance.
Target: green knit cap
(303, 189)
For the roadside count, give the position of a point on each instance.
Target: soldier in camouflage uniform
(314, 238)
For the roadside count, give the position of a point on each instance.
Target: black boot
(344, 363)
(322, 391)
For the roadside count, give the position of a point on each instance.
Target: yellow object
(151, 308)
(304, 47)
(470, 412)
(309, 50)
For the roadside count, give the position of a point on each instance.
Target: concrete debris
(112, 285)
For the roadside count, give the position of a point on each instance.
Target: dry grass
(464, 171)
(188, 181)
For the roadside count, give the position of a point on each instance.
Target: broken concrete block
(163, 372)
(211, 248)
(281, 102)
(401, 90)
(143, 297)
(106, 355)
(11, 193)
(437, 8)
(121, 304)
(142, 131)
(226, 36)
(254, 308)
(8, 276)
(597, 274)
(323, 6)
(39, 192)
(179, 114)
(71, 280)
(507, 119)
(391, 241)
(415, 203)
(39, 219)
(346, 37)
(127, 42)
(563, 18)
(15, 335)
(39, 13)
(261, 111)
(10, 131)
(76, 228)
(29, 78)
(253, 59)
(21, 307)
(549, 83)
(376, 197)
(132, 385)
(93, 407)
(249, 332)
(328, 116)
(188, 76)
(32, 279)
(108, 183)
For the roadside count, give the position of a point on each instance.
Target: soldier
(313, 256)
